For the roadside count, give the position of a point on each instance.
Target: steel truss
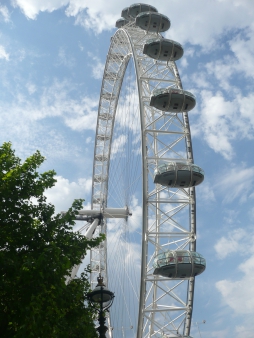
(165, 305)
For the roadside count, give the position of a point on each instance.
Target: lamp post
(203, 322)
(102, 296)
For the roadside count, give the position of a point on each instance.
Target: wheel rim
(163, 136)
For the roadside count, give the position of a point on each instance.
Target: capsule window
(196, 260)
(160, 262)
(186, 259)
(154, 24)
(186, 106)
(146, 23)
(162, 26)
(156, 52)
(175, 106)
(175, 54)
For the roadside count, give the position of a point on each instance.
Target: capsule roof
(178, 174)
(179, 264)
(125, 13)
(121, 22)
(135, 9)
(153, 22)
(163, 49)
(172, 100)
(131, 12)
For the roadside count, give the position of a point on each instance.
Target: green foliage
(37, 251)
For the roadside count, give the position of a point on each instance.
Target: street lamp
(203, 322)
(104, 298)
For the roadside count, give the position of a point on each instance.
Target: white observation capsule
(153, 22)
(178, 174)
(163, 49)
(172, 100)
(179, 264)
(121, 22)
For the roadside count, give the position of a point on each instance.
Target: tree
(37, 251)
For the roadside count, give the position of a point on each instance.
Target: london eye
(144, 179)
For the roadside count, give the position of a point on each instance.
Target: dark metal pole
(102, 329)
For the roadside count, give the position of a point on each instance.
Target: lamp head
(101, 295)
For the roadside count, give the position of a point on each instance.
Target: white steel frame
(164, 136)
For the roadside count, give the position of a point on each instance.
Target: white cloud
(236, 241)
(31, 8)
(196, 14)
(243, 48)
(54, 101)
(237, 294)
(237, 183)
(97, 67)
(205, 192)
(5, 13)
(95, 15)
(64, 192)
(221, 121)
(31, 87)
(240, 63)
(247, 116)
(118, 145)
(219, 334)
(215, 123)
(222, 71)
(231, 217)
(201, 80)
(64, 59)
(251, 213)
(246, 329)
(3, 53)
(81, 47)
(135, 221)
(30, 121)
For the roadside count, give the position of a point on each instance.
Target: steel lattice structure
(169, 214)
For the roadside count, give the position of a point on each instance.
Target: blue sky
(52, 55)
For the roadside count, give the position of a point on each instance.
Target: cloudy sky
(52, 55)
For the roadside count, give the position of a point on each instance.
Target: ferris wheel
(144, 182)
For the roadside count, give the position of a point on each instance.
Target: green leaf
(37, 251)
